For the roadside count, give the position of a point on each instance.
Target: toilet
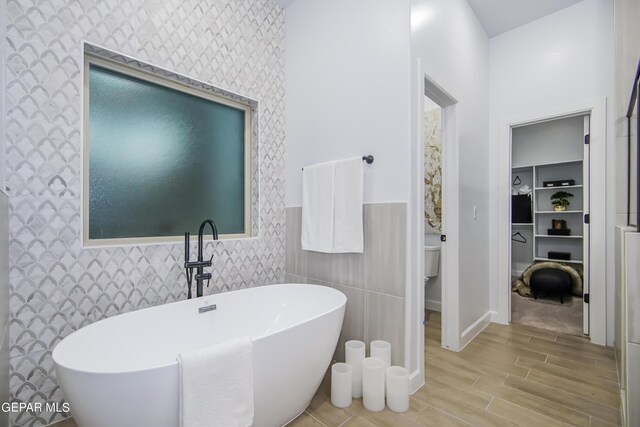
(431, 261)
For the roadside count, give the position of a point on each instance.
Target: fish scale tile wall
(56, 285)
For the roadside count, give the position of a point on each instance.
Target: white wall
(548, 142)
(452, 49)
(347, 87)
(560, 59)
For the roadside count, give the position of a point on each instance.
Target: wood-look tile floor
(513, 375)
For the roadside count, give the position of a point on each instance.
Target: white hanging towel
(332, 196)
(216, 385)
(317, 207)
(347, 224)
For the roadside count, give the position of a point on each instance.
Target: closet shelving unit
(542, 210)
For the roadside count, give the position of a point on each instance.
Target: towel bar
(368, 159)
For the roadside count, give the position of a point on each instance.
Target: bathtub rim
(65, 366)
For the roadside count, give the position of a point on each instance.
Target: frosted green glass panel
(161, 160)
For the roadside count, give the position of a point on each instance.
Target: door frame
(449, 250)
(449, 257)
(596, 108)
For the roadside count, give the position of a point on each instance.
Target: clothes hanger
(517, 180)
(518, 238)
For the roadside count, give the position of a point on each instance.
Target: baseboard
(516, 272)
(518, 269)
(415, 381)
(433, 305)
(496, 318)
(472, 331)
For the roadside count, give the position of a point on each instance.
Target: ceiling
(499, 16)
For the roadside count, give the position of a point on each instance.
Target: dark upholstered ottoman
(550, 281)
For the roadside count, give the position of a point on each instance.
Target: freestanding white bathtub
(122, 371)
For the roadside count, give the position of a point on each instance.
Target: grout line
(404, 415)
(540, 413)
(417, 414)
(321, 423)
(489, 404)
(380, 293)
(346, 421)
(449, 414)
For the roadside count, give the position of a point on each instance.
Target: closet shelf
(518, 168)
(557, 237)
(557, 212)
(566, 261)
(559, 187)
(563, 162)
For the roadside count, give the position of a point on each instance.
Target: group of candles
(370, 378)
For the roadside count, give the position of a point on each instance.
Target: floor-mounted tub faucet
(200, 264)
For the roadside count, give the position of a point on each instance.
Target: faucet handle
(210, 263)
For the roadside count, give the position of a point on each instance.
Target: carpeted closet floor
(548, 314)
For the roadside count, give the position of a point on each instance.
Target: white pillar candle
(341, 385)
(373, 384)
(354, 355)
(381, 350)
(398, 389)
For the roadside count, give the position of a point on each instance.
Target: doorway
(439, 211)
(449, 328)
(594, 298)
(549, 227)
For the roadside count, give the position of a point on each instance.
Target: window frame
(147, 76)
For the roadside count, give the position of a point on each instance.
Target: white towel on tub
(216, 385)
